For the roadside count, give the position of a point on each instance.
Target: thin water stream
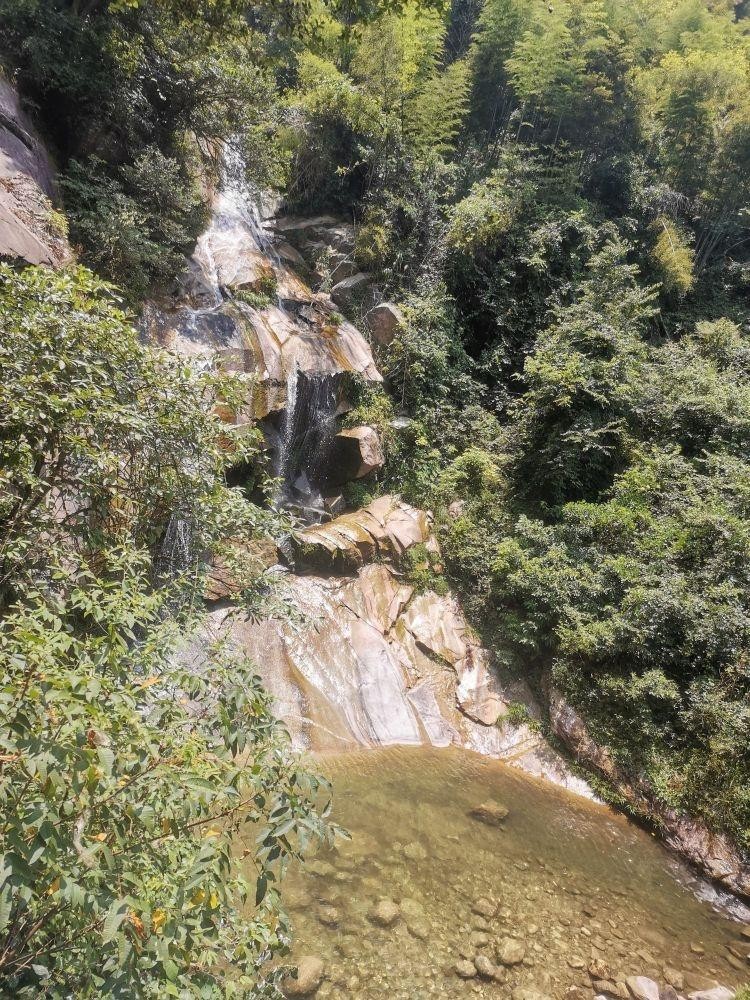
(560, 887)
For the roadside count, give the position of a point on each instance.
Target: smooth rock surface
(27, 190)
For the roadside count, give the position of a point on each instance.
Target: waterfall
(237, 204)
(304, 445)
(177, 550)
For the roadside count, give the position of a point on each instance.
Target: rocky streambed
(466, 878)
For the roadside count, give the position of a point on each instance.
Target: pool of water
(562, 886)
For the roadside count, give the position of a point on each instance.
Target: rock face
(239, 299)
(29, 228)
(370, 662)
(221, 582)
(374, 664)
(712, 853)
(355, 454)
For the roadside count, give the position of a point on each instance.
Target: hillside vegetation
(557, 194)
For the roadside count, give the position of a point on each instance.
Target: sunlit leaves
(128, 771)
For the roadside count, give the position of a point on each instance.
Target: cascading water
(305, 442)
(177, 551)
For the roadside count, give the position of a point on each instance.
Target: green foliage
(135, 229)
(437, 112)
(641, 600)
(423, 571)
(573, 423)
(518, 714)
(263, 292)
(673, 257)
(560, 207)
(129, 764)
(561, 62)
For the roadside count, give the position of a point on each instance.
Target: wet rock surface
(247, 300)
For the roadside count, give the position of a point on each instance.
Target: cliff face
(30, 228)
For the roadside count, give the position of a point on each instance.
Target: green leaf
(113, 920)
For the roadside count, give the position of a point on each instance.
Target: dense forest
(557, 195)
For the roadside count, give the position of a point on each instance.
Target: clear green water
(572, 882)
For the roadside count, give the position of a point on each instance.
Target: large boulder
(30, 228)
(355, 454)
(384, 322)
(385, 529)
(354, 292)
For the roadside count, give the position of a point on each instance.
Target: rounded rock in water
(384, 913)
(310, 974)
(510, 951)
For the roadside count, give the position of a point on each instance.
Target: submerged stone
(484, 908)
(415, 851)
(384, 913)
(465, 969)
(510, 951)
(484, 967)
(310, 974)
(491, 813)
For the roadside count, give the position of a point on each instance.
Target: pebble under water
(561, 893)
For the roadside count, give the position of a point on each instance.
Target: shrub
(136, 226)
(129, 766)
